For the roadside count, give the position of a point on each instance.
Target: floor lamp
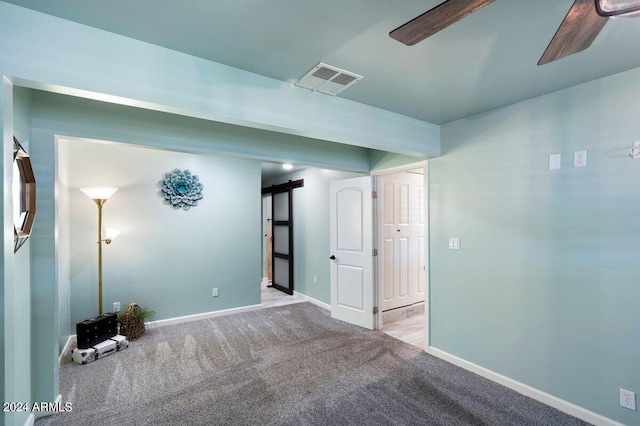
(100, 195)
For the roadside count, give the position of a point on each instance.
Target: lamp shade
(111, 234)
(99, 192)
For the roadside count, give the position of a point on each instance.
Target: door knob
(332, 257)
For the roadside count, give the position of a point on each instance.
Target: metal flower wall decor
(180, 189)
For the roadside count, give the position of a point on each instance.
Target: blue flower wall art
(180, 189)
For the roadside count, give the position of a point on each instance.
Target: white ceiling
(485, 61)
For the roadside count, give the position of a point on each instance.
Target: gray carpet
(288, 365)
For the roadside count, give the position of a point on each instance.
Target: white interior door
(402, 267)
(351, 241)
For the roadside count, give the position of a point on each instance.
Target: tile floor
(272, 297)
(406, 324)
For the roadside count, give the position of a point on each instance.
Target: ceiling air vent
(327, 79)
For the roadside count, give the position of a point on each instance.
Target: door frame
(376, 240)
(288, 188)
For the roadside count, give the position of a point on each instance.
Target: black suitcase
(95, 330)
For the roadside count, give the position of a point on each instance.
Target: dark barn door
(282, 234)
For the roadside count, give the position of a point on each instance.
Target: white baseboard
(30, 420)
(312, 300)
(204, 315)
(39, 414)
(68, 346)
(555, 402)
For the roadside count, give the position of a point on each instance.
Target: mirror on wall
(24, 195)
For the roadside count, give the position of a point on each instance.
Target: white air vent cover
(328, 79)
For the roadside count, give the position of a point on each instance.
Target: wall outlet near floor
(116, 307)
(315, 279)
(214, 293)
(627, 399)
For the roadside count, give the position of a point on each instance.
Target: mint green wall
(132, 72)
(191, 135)
(165, 259)
(6, 126)
(311, 229)
(545, 287)
(380, 160)
(20, 305)
(16, 372)
(45, 327)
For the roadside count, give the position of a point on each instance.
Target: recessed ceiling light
(287, 166)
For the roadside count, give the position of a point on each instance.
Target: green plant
(132, 320)
(140, 313)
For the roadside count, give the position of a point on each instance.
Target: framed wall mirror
(24, 195)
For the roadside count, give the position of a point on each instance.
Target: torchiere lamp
(100, 195)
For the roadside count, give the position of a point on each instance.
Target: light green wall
(16, 373)
(311, 229)
(108, 66)
(545, 287)
(380, 160)
(6, 124)
(165, 259)
(21, 342)
(191, 135)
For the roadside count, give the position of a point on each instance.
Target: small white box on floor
(121, 341)
(102, 349)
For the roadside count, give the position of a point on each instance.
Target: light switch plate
(454, 243)
(635, 150)
(554, 161)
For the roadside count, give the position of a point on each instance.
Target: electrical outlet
(627, 399)
(214, 293)
(116, 307)
(315, 279)
(580, 159)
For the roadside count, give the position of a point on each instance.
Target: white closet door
(402, 240)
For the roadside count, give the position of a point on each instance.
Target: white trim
(427, 239)
(67, 348)
(545, 398)
(30, 420)
(314, 301)
(204, 315)
(40, 414)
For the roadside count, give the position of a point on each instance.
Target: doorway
(277, 286)
(402, 261)
(357, 295)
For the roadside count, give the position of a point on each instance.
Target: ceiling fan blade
(578, 30)
(436, 19)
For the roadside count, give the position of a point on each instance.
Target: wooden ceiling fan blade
(436, 19)
(578, 30)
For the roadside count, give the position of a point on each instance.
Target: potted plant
(132, 321)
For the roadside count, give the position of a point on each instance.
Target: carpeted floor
(287, 365)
